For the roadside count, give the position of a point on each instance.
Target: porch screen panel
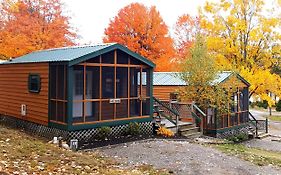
(135, 61)
(122, 109)
(122, 57)
(61, 112)
(60, 83)
(146, 106)
(53, 94)
(244, 105)
(53, 81)
(134, 82)
(58, 91)
(108, 58)
(92, 82)
(78, 112)
(94, 60)
(92, 111)
(91, 108)
(122, 82)
(145, 92)
(78, 94)
(135, 108)
(108, 82)
(145, 77)
(107, 111)
(53, 108)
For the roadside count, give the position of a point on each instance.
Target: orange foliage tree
(185, 31)
(28, 25)
(142, 30)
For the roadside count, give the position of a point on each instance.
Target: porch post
(151, 91)
(70, 77)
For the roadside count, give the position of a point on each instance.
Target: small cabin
(76, 88)
(167, 84)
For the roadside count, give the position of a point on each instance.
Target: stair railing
(198, 119)
(254, 121)
(168, 111)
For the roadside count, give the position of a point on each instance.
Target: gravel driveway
(182, 157)
(274, 126)
(265, 143)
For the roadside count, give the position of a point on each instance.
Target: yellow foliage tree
(243, 35)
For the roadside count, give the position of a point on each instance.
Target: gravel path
(182, 157)
(265, 143)
(274, 126)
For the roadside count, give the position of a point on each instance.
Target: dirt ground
(183, 157)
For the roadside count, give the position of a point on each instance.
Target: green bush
(242, 137)
(134, 129)
(262, 104)
(252, 104)
(238, 138)
(278, 106)
(104, 132)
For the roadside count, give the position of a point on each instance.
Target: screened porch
(238, 112)
(113, 86)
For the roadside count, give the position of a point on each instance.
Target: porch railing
(199, 116)
(258, 125)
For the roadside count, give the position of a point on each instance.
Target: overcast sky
(92, 17)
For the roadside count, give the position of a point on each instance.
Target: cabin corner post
(70, 75)
(247, 102)
(151, 91)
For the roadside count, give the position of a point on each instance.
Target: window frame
(38, 81)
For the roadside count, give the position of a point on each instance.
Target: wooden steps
(187, 132)
(164, 116)
(186, 129)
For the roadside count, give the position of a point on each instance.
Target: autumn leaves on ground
(24, 154)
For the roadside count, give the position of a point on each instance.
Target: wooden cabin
(76, 88)
(167, 84)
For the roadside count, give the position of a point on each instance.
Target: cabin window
(174, 96)
(34, 83)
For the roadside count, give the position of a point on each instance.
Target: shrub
(104, 132)
(238, 138)
(134, 129)
(252, 104)
(278, 106)
(165, 132)
(262, 104)
(243, 137)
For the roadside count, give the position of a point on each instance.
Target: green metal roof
(74, 55)
(174, 79)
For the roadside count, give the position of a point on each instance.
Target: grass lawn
(22, 154)
(275, 118)
(257, 156)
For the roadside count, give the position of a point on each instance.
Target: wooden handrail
(199, 110)
(173, 112)
(166, 107)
